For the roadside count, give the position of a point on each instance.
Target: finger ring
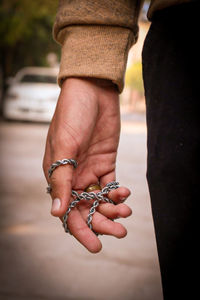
(61, 162)
(92, 187)
(58, 163)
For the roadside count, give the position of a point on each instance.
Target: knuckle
(58, 181)
(83, 229)
(55, 181)
(102, 223)
(45, 168)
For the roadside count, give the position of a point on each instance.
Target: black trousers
(171, 68)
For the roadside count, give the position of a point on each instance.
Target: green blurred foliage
(26, 33)
(133, 77)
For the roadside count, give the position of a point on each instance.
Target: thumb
(61, 186)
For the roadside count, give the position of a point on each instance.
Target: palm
(97, 158)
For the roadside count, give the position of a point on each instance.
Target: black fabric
(171, 68)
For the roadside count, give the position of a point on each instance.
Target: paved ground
(38, 260)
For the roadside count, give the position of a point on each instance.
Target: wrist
(102, 83)
(94, 82)
(93, 93)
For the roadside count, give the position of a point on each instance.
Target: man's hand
(86, 127)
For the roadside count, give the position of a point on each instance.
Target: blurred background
(37, 259)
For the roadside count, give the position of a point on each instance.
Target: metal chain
(97, 197)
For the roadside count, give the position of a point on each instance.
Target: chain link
(97, 197)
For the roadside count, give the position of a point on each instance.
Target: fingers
(103, 225)
(119, 195)
(79, 229)
(82, 232)
(101, 219)
(114, 211)
(109, 177)
(101, 222)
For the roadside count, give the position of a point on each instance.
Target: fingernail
(123, 199)
(56, 205)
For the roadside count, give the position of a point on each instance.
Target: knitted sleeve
(96, 36)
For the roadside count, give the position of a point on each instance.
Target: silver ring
(58, 163)
(62, 162)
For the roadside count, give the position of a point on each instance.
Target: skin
(86, 127)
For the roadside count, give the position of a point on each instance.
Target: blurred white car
(32, 95)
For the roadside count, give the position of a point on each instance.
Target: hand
(86, 127)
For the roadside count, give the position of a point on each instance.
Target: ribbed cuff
(95, 51)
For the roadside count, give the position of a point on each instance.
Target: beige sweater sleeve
(96, 37)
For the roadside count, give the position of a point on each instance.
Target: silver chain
(84, 196)
(97, 197)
